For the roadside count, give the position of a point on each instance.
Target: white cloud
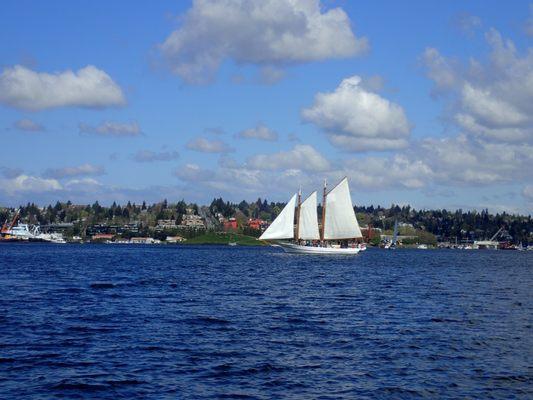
(193, 173)
(439, 69)
(490, 110)
(373, 83)
(152, 156)
(355, 144)
(204, 145)
(464, 161)
(89, 87)
(261, 132)
(28, 125)
(492, 100)
(81, 170)
(88, 185)
(110, 128)
(302, 156)
(398, 171)
(265, 33)
(28, 184)
(361, 120)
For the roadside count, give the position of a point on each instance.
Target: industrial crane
(6, 228)
(496, 234)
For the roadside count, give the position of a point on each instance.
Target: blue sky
(427, 103)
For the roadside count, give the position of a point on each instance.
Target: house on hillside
(165, 224)
(192, 221)
(257, 224)
(230, 224)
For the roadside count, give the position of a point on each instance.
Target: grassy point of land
(225, 238)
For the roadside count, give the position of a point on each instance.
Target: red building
(103, 236)
(256, 223)
(230, 224)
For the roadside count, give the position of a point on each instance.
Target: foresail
(308, 229)
(340, 222)
(283, 226)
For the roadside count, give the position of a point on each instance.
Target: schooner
(339, 223)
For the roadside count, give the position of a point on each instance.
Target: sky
(427, 103)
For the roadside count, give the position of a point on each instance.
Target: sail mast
(323, 211)
(297, 233)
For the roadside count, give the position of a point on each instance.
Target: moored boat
(14, 231)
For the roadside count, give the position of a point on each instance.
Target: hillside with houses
(181, 221)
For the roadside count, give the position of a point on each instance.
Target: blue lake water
(111, 321)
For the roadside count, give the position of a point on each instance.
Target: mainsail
(283, 226)
(308, 229)
(340, 221)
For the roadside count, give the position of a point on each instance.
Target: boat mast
(297, 232)
(323, 212)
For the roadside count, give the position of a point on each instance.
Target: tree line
(447, 225)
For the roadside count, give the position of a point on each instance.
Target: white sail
(283, 226)
(308, 229)
(340, 222)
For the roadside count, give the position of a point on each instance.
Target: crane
(496, 234)
(6, 228)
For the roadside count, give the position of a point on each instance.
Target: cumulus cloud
(261, 132)
(205, 145)
(356, 119)
(89, 87)
(464, 161)
(442, 71)
(494, 100)
(302, 157)
(267, 33)
(355, 144)
(88, 185)
(24, 188)
(28, 125)
(373, 83)
(28, 184)
(110, 128)
(152, 156)
(81, 170)
(398, 171)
